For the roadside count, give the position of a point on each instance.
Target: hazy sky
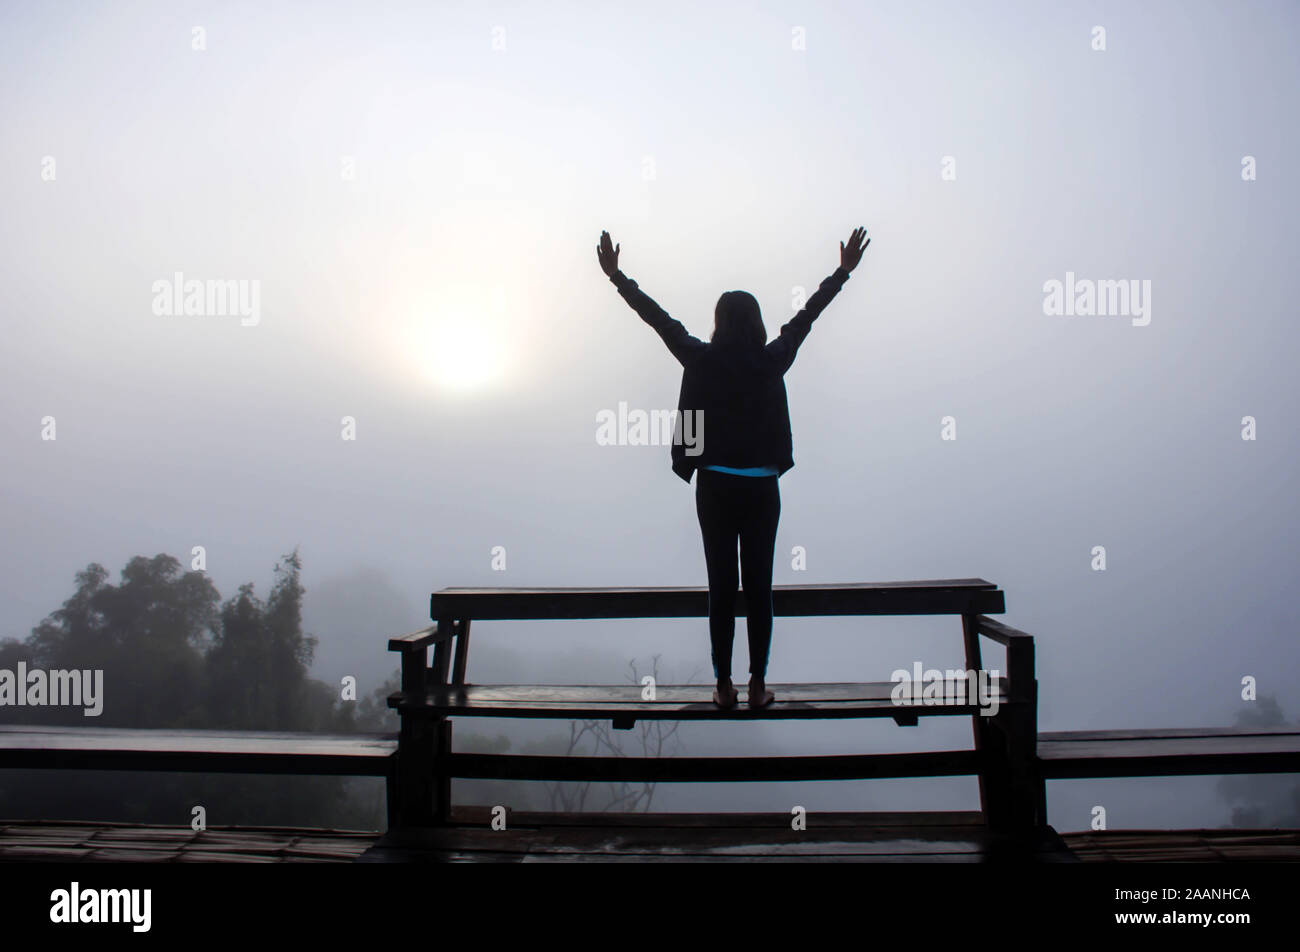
(417, 191)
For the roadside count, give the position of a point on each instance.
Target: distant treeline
(173, 655)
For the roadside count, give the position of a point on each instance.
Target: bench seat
(623, 702)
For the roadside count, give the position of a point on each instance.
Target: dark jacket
(739, 393)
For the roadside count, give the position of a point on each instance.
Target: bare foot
(759, 695)
(724, 695)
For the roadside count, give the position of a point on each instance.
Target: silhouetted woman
(733, 426)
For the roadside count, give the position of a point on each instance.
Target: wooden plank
(630, 694)
(259, 752)
(1162, 732)
(43, 854)
(470, 815)
(974, 583)
(677, 702)
(767, 842)
(1167, 753)
(13, 737)
(387, 855)
(948, 763)
(1169, 746)
(195, 762)
(704, 711)
(936, 597)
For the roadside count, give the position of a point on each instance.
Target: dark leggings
(744, 508)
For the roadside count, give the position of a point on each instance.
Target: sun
(454, 337)
(462, 354)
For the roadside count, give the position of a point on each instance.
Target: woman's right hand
(607, 254)
(852, 254)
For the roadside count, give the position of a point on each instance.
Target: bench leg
(415, 770)
(393, 810)
(1010, 791)
(993, 773)
(442, 771)
(989, 744)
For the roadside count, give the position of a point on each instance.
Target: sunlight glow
(463, 355)
(454, 337)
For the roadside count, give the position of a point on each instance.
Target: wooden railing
(1011, 759)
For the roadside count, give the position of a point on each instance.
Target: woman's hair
(737, 321)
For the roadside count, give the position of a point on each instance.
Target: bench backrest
(965, 596)
(453, 609)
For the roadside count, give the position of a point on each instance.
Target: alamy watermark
(79, 905)
(212, 298)
(57, 688)
(1084, 297)
(952, 686)
(626, 427)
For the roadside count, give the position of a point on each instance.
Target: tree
(258, 664)
(146, 635)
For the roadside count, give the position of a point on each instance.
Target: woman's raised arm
(793, 332)
(680, 342)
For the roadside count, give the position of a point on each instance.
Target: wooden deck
(1186, 846)
(956, 837)
(50, 841)
(837, 838)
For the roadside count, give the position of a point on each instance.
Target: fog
(417, 191)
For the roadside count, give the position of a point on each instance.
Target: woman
(734, 385)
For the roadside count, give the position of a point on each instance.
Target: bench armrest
(1020, 656)
(415, 655)
(417, 639)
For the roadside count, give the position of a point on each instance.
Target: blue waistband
(746, 471)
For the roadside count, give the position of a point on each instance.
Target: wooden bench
(201, 751)
(434, 691)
